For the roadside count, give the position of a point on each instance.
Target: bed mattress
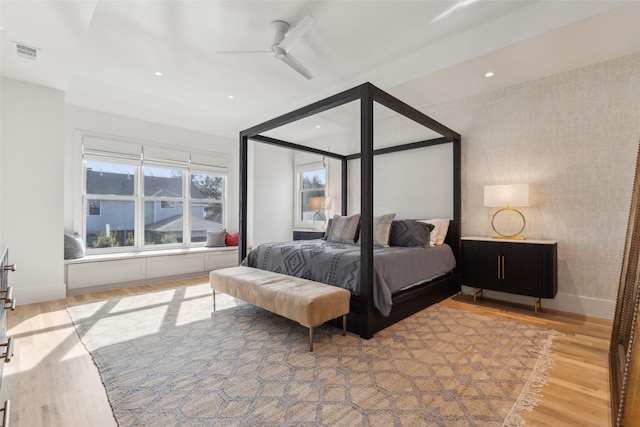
(395, 268)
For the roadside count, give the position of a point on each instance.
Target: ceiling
(103, 54)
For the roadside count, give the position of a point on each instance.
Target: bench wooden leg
(344, 325)
(214, 300)
(310, 339)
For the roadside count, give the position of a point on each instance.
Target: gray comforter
(395, 268)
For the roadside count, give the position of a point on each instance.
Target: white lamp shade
(506, 195)
(319, 203)
(315, 203)
(326, 204)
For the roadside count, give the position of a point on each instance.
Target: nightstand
(523, 267)
(307, 235)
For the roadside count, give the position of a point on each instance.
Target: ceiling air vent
(24, 51)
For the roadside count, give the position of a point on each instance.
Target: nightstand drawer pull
(6, 415)
(503, 267)
(9, 353)
(498, 266)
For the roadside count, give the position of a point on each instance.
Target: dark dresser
(523, 267)
(7, 302)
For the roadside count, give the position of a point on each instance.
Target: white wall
(39, 178)
(79, 120)
(272, 187)
(573, 137)
(2, 243)
(413, 184)
(32, 171)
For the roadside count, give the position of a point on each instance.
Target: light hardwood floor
(52, 380)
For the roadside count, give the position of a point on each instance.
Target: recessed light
(1, 28)
(317, 126)
(230, 96)
(158, 73)
(489, 74)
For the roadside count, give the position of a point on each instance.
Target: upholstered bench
(304, 301)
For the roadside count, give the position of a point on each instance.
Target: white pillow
(439, 232)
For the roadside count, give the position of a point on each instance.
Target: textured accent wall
(573, 137)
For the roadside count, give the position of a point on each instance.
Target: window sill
(148, 254)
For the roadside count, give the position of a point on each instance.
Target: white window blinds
(162, 156)
(114, 149)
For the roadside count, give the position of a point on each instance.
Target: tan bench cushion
(305, 301)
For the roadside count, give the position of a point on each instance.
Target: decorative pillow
(382, 230)
(344, 229)
(328, 230)
(231, 239)
(73, 246)
(216, 238)
(410, 233)
(439, 233)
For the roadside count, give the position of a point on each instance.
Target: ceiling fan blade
(242, 51)
(293, 63)
(296, 32)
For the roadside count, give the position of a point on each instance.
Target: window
(94, 207)
(136, 202)
(163, 205)
(110, 201)
(206, 204)
(311, 184)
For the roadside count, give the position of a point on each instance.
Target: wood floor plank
(52, 380)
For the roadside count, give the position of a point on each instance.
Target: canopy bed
(364, 318)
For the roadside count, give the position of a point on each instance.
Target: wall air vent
(24, 51)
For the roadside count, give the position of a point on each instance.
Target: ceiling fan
(283, 40)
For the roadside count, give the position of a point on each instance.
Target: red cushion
(231, 239)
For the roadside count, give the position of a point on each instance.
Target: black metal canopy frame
(364, 319)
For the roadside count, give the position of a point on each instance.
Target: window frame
(87, 197)
(159, 200)
(299, 169)
(138, 198)
(223, 198)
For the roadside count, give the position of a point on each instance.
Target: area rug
(166, 360)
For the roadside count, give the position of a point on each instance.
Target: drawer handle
(9, 353)
(5, 416)
(8, 295)
(11, 305)
(10, 267)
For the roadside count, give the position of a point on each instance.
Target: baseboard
(562, 302)
(45, 292)
(120, 285)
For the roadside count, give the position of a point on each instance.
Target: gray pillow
(73, 246)
(410, 233)
(344, 229)
(215, 238)
(328, 230)
(382, 230)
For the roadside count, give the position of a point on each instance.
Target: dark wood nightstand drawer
(524, 268)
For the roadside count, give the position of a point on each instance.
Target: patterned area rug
(167, 360)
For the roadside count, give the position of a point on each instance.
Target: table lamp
(505, 197)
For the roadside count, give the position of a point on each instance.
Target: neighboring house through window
(145, 196)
